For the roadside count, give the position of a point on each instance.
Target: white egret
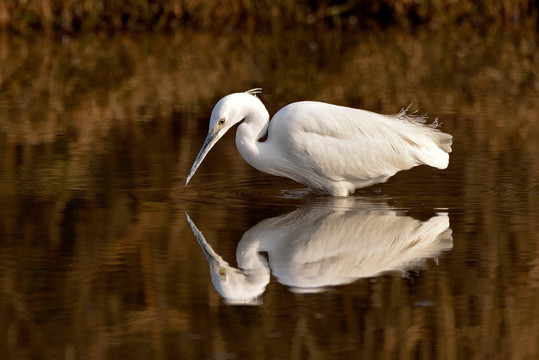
(325, 244)
(329, 148)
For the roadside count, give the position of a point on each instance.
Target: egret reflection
(326, 243)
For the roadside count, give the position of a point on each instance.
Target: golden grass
(24, 16)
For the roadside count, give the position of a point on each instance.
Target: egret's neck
(250, 131)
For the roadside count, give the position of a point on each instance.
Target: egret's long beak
(211, 139)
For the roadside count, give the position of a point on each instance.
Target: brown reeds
(23, 16)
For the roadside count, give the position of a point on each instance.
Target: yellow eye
(221, 121)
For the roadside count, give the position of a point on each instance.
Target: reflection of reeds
(94, 253)
(72, 94)
(85, 15)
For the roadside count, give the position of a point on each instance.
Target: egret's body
(327, 147)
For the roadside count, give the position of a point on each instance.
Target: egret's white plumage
(331, 148)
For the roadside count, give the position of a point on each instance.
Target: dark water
(98, 260)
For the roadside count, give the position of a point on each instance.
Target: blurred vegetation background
(99, 130)
(22, 16)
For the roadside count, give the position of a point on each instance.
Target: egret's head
(228, 111)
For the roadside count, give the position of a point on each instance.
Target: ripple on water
(245, 192)
(267, 192)
(255, 189)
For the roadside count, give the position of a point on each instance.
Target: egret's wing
(344, 143)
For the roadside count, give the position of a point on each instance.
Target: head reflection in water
(237, 287)
(330, 242)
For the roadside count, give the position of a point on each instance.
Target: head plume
(254, 91)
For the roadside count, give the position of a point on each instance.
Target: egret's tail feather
(441, 161)
(444, 141)
(436, 151)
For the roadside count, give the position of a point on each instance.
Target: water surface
(97, 259)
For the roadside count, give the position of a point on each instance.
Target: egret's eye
(221, 121)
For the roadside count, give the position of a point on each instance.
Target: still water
(104, 254)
